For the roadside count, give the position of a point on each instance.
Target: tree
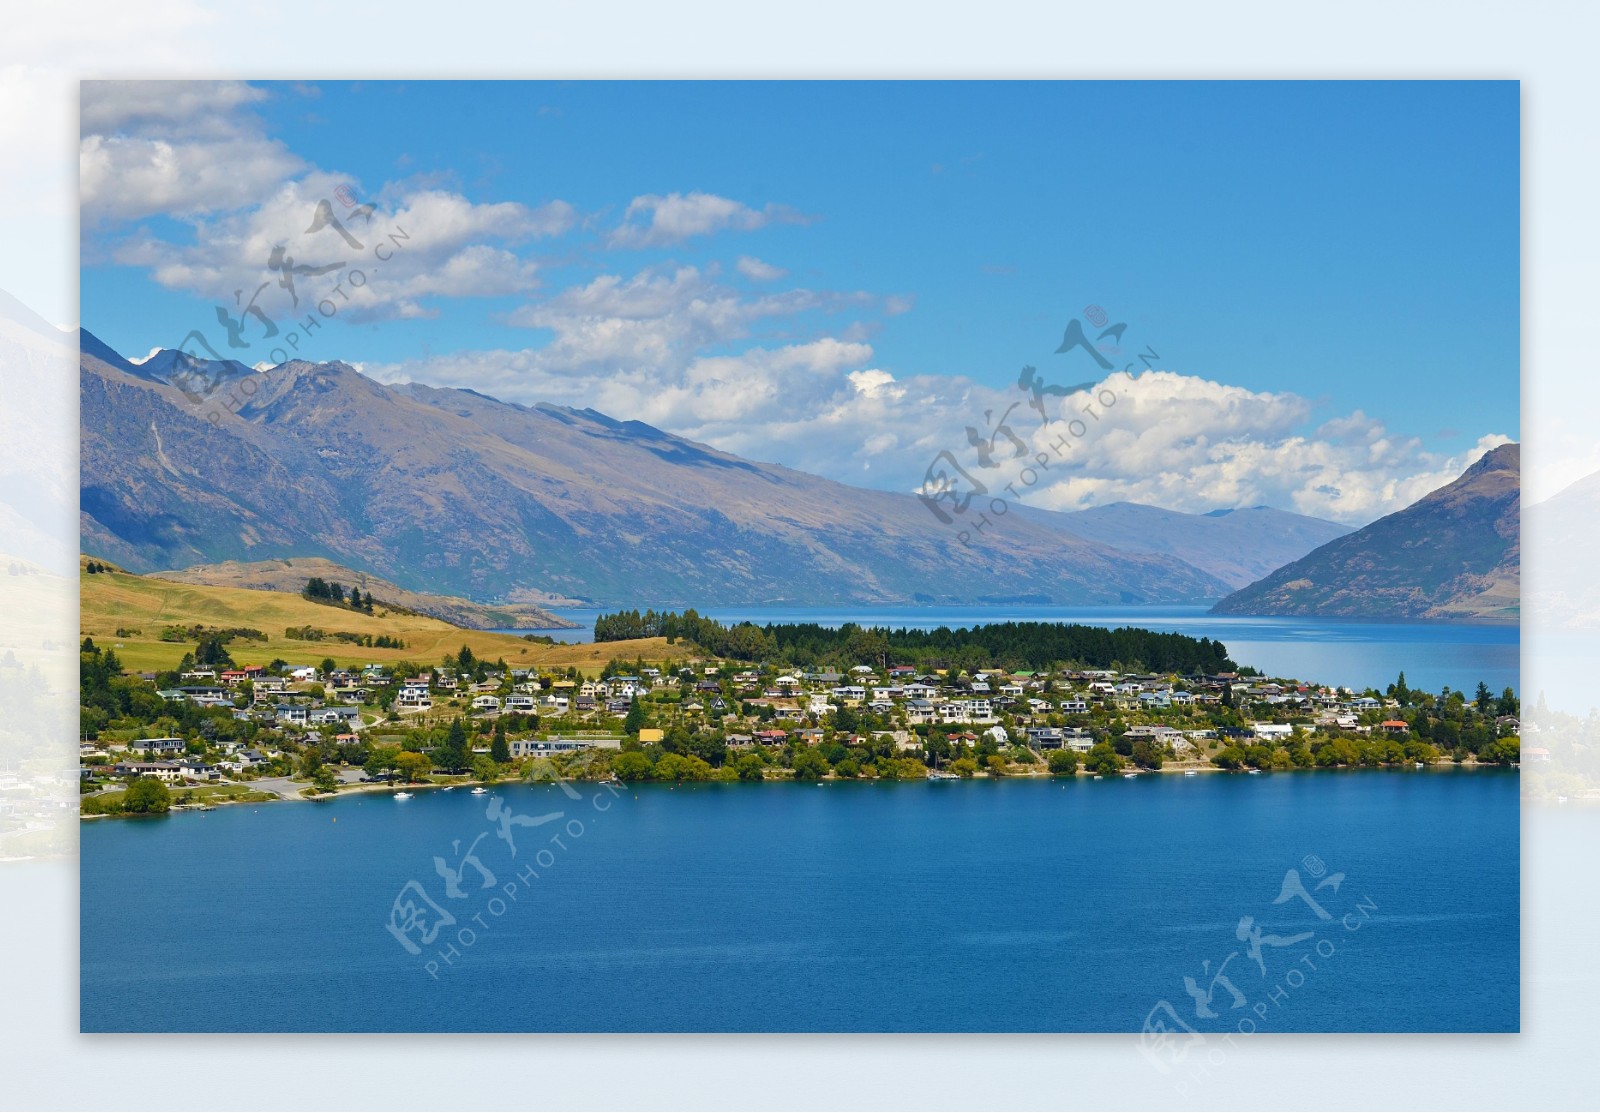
(632, 766)
(750, 768)
(412, 765)
(1147, 755)
(1063, 762)
(809, 764)
(963, 767)
(1483, 699)
(328, 665)
(1399, 690)
(997, 765)
(325, 780)
(485, 768)
(636, 719)
(452, 755)
(1103, 759)
(499, 749)
(147, 796)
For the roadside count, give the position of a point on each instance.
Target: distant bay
(1347, 652)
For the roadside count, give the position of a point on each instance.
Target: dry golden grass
(115, 600)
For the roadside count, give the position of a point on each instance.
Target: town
(218, 732)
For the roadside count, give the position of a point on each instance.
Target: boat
(1419, 765)
(1129, 776)
(1098, 777)
(940, 775)
(447, 788)
(1255, 772)
(1190, 773)
(402, 796)
(479, 791)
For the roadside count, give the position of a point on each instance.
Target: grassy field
(143, 607)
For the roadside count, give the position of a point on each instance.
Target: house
(334, 716)
(486, 703)
(554, 704)
(1073, 706)
(1046, 738)
(199, 771)
(161, 770)
(173, 695)
(523, 703)
(291, 715)
(1395, 726)
(772, 737)
(544, 747)
(1273, 730)
(158, 745)
(303, 674)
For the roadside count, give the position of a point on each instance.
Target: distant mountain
(291, 576)
(1563, 589)
(1454, 555)
(449, 491)
(36, 358)
(1236, 546)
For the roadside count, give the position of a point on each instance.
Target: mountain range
(1453, 555)
(451, 492)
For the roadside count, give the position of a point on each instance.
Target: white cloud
(822, 406)
(757, 271)
(434, 240)
(655, 220)
(206, 107)
(124, 178)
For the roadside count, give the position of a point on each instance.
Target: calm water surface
(1326, 650)
(976, 906)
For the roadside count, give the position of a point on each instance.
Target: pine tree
(499, 750)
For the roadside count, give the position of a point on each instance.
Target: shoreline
(360, 789)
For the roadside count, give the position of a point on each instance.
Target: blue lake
(1330, 651)
(1015, 905)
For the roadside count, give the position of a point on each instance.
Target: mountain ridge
(454, 492)
(1453, 555)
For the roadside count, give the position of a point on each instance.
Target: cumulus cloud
(824, 406)
(412, 246)
(174, 147)
(758, 271)
(657, 220)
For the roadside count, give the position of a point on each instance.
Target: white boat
(479, 791)
(1190, 773)
(1129, 776)
(1255, 772)
(1419, 765)
(402, 796)
(1098, 777)
(447, 788)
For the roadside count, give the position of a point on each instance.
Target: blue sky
(842, 276)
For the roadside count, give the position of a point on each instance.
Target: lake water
(1326, 650)
(1015, 905)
